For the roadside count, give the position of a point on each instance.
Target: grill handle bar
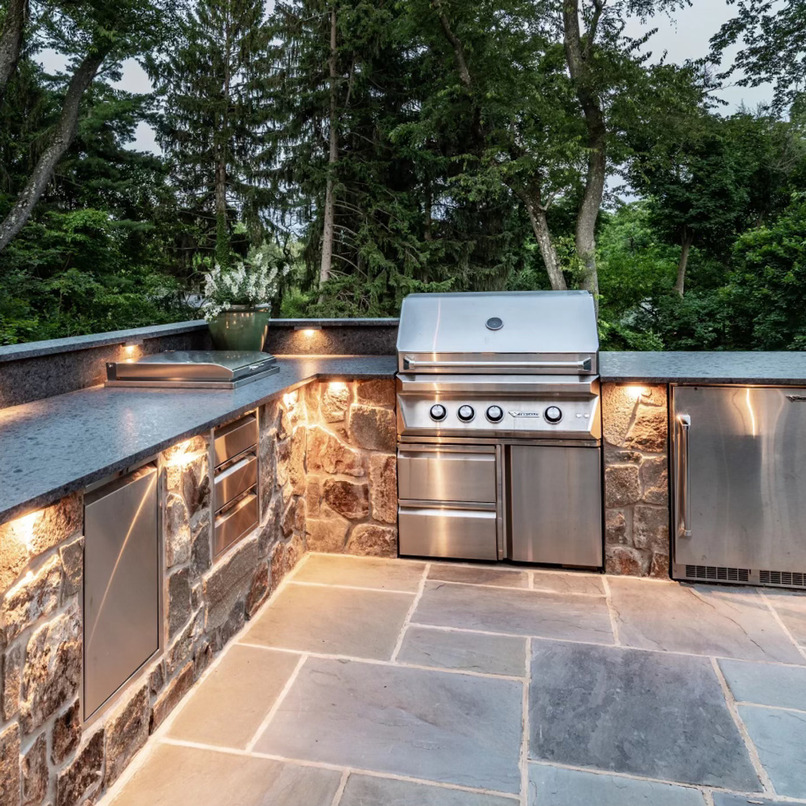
(415, 363)
(684, 477)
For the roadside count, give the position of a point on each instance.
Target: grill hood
(524, 332)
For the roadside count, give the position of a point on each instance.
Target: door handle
(683, 478)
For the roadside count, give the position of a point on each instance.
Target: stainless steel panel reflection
(747, 476)
(446, 475)
(232, 524)
(555, 513)
(235, 438)
(433, 532)
(237, 479)
(121, 584)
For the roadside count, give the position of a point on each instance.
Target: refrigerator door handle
(683, 478)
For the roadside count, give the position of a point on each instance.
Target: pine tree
(214, 82)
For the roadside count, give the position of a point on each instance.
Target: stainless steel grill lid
(552, 332)
(192, 368)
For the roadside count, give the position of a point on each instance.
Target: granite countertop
(55, 446)
(779, 369)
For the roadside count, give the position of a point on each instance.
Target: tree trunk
(685, 243)
(11, 40)
(458, 48)
(60, 141)
(328, 232)
(540, 227)
(222, 137)
(577, 58)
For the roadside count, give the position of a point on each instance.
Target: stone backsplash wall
(351, 492)
(636, 489)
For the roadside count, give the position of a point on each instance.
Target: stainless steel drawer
(235, 438)
(446, 475)
(235, 480)
(234, 523)
(460, 533)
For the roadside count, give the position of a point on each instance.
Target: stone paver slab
(479, 575)
(555, 786)
(766, 683)
(438, 726)
(548, 615)
(333, 621)
(780, 738)
(566, 582)
(365, 790)
(701, 619)
(642, 713)
(361, 572)
(489, 654)
(186, 776)
(227, 707)
(731, 799)
(791, 607)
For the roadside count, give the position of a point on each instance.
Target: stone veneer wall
(636, 456)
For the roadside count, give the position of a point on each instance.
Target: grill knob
(553, 414)
(495, 414)
(438, 412)
(466, 413)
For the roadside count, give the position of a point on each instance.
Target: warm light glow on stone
(183, 453)
(337, 386)
(308, 332)
(290, 399)
(635, 392)
(23, 528)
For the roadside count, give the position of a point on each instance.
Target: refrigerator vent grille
(718, 573)
(790, 579)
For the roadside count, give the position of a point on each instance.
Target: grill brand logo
(797, 398)
(525, 413)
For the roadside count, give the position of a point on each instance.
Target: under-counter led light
(181, 454)
(290, 399)
(307, 330)
(337, 386)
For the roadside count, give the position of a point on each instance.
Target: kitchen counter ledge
(775, 369)
(58, 445)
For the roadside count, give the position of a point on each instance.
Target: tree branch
(456, 44)
(60, 140)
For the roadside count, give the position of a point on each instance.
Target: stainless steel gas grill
(499, 428)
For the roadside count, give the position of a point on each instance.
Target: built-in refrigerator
(738, 462)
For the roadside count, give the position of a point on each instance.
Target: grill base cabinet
(739, 471)
(121, 584)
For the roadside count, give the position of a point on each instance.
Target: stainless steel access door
(121, 584)
(740, 477)
(555, 505)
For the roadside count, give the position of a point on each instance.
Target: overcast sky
(685, 37)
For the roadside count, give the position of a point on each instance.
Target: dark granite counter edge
(34, 349)
(134, 459)
(700, 380)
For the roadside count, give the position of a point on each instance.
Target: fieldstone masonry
(636, 489)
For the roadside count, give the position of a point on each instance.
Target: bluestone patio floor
(369, 682)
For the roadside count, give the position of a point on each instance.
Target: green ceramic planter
(240, 328)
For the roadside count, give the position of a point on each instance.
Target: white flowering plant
(253, 282)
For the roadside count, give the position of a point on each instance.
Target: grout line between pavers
(406, 621)
(777, 616)
(381, 662)
(524, 753)
(277, 703)
(340, 586)
(771, 707)
(730, 701)
(707, 796)
(532, 589)
(342, 786)
(325, 765)
(611, 610)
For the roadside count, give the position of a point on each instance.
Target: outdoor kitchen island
(327, 473)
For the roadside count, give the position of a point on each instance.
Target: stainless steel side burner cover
(192, 369)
